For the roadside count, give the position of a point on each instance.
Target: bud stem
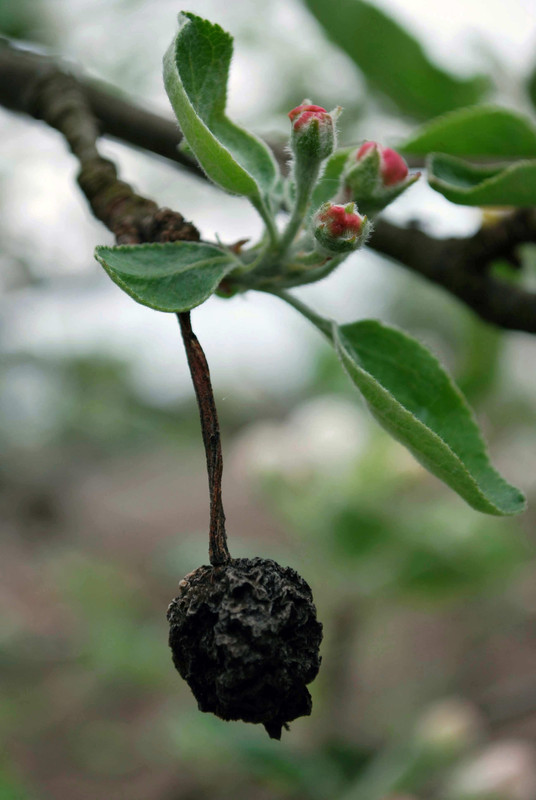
(272, 259)
(305, 183)
(217, 548)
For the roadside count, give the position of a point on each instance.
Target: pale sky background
(255, 342)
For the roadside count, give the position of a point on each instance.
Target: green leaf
(392, 60)
(480, 131)
(470, 185)
(175, 276)
(415, 400)
(196, 69)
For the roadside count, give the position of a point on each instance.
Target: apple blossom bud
(313, 131)
(393, 168)
(340, 229)
(375, 176)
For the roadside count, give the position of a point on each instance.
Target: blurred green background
(428, 683)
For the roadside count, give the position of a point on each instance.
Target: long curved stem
(217, 549)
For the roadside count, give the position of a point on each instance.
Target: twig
(218, 550)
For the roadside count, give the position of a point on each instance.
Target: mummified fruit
(245, 637)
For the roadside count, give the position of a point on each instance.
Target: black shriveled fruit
(245, 637)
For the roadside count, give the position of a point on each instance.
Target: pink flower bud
(340, 229)
(300, 115)
(341, 222)
(393, 168)
(313, 132)
(374, 176)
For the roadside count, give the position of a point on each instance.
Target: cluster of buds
(374, 176)
(313, 131)
(339, 229)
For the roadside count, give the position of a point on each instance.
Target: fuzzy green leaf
(415, 400)
(470, 185)
(392, 60)
(175, 276)
(196, 69)
(477, 131)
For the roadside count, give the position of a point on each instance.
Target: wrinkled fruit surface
(245, 637)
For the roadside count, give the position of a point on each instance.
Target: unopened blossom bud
(340, 229)
(375, 176)
(393, 168)
(313, 131)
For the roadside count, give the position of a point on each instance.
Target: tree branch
(116, 116)
(460, 265)
(34, 85)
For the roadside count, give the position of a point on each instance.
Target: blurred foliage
(466, 184)
(402, 72)
(10, 787)
(380, 536)
(26, 20)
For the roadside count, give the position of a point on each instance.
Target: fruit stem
(217, 548)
